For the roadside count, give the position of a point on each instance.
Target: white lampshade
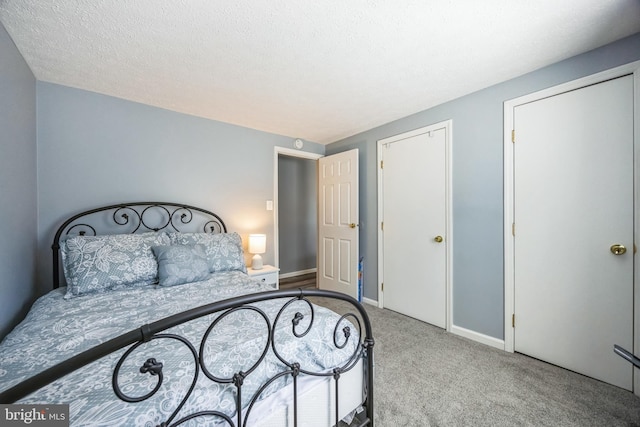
(257, 243)
(257, 246)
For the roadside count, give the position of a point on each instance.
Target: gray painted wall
(18, 162)
(478, 281)
(96, 150)
(298, 214)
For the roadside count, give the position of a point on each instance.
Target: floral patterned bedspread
(56, 329)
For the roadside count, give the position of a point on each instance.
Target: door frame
(277, 151)
(448, 126)
(509, 253)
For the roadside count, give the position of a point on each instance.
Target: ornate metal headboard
(135, 217)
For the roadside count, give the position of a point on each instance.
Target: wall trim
(370, 301)
(298, 273)
(478, 337)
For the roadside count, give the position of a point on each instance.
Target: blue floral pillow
(96, 264)
(179, 264)
(224, 250)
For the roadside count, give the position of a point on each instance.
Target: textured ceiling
(319, 70)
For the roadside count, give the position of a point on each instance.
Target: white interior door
(415, 224)
(573, 200)
(338, 228)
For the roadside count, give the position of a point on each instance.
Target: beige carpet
(425, 376)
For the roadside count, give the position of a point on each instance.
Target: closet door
(415, 223)
(573, 192)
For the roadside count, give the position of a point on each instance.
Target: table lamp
(257, 246)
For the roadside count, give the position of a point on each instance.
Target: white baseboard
(476, 336)
(297, 273)
(370, 301)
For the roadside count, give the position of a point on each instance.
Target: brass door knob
(352, 225)
(618, 249)
(438, 239)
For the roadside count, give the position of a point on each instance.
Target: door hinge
(382, 226)
(381, 164)
(513, 135)
(513, 229)
(382, 286)
(513, 320)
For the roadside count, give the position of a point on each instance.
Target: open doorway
(295, 212)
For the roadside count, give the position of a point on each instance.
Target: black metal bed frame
(120, 215)
(171, 212)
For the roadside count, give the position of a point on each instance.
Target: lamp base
(256, 263)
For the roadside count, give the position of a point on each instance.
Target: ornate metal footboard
(153, 366)
(154, 375)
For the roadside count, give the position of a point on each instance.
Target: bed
(159, 324)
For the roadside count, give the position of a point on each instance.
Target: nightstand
(267, 274)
